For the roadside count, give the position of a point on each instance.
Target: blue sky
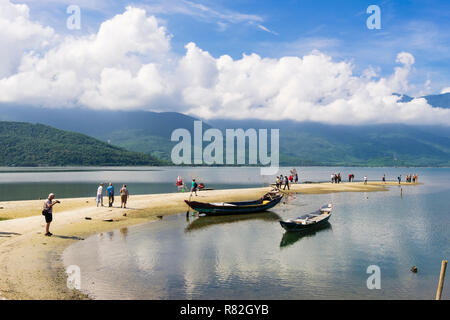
(293, 27)
(302, 60)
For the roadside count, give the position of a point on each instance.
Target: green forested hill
(301, 143)
(25, 144)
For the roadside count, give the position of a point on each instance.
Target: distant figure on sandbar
(100, 194)
(47, 212)
(278, 182)
(110, 192)
(296, 178)
(365, 180)
(194, 187)
(384, 178)
(124, 196)
(399, 178)
(179, 184)
(286, 183)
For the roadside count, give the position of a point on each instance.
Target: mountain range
(301, 143)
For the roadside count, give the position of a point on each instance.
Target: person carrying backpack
(194, 187)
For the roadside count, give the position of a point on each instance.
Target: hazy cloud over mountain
(129, 64)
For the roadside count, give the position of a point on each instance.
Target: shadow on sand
(9, 234)
(67, 237)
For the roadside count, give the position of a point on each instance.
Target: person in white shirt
(100, 194)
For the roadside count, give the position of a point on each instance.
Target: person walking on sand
(110, 192)
(194, 187)
(296, 178)
(124, 196)
(100, 194)
(286, 183)
(384, 178)
(47, 212)
(399, 178)
(365, 180)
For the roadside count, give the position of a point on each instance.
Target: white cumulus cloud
(128, 64)
(18, 34)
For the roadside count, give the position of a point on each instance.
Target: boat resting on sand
(309, 221)
(266, 202)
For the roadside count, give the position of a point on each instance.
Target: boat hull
(292, 226)
(235, 207)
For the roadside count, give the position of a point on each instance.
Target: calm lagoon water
(70, 182)
(251, 257)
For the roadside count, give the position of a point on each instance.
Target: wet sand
(31, 265)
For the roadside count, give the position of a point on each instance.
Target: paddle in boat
(309, 221)
(266, 202)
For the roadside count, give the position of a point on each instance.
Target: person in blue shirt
(110, 192)
(194, 187)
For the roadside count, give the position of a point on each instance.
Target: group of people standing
(47, 210)
(412, 178)
(409, 178)
(336, 178)
(286, 181)
(124, 195)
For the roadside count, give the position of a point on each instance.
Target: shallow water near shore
(252, 257)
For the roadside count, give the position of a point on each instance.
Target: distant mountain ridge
(25, 144)
(434, 100)
(304, 143)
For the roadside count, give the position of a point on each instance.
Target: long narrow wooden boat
(268, 201)
(309, 221)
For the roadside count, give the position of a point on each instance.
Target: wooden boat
(268, 201)
(309, 221)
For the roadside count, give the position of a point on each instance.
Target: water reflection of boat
(289, 238)
(268, 201)
(208, 221)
